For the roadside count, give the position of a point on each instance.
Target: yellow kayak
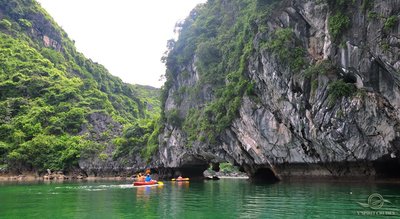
(180, 179)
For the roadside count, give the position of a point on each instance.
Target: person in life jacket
(148, 178)
(140, 178)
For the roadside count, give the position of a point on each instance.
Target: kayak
(145, 183)
(182, 179)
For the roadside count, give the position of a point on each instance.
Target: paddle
(160, 183)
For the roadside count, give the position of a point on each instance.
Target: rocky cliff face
(335, 114)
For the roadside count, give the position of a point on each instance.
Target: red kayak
(154, 182)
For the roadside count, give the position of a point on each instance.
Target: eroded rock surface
(289, 126)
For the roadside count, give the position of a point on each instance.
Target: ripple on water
(96, 187)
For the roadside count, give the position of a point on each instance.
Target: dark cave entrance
(264, 174)
(192, 171)
(387, 168)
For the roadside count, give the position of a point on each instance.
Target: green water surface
(226, 198)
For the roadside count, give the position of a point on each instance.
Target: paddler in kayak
(148, 178)
(140, 178)
(180, 179)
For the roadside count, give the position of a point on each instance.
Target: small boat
(153, 182)
(211, 178)
(180, 179)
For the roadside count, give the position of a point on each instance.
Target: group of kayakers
(146, 177)
(142, 178)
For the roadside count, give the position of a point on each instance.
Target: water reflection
(146, 200)
(143, 193)
(181, 184)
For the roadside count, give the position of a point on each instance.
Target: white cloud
(128, 37)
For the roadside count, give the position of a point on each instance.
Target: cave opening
(190, 171)
(264, 174)
(224, 169)
(350, 78)
(387, 168)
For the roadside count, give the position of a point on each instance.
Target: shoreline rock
(60, 178)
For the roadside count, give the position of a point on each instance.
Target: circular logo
(375, 201)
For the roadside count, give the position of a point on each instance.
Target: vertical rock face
(294, 124)
(102, 129)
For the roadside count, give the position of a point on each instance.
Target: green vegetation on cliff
(48, 91)
(221, 42)
(338, 89)
(337, 24)
(283, 44)
(218, 38)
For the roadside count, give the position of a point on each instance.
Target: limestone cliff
(317, 88)
(59, 110)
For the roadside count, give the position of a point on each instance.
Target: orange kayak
(145, 183)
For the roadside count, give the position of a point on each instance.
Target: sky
(128, 37)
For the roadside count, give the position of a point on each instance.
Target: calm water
(226, 198)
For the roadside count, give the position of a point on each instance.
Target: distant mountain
(58, 109)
